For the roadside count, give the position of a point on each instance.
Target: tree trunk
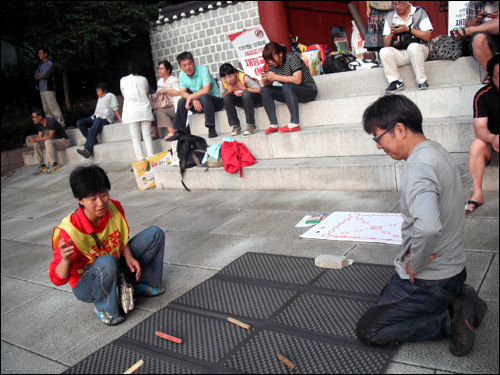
(66, 86)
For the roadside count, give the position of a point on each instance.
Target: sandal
(475, 205)
(459, 35)
(169, 135)
(108, 319)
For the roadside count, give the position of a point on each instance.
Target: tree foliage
(79, 34)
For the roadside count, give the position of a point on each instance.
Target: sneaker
(395, 86)
(236, 130)
(108, 319)
(462, 331)
(41, 168)
(251, 129)
(288, 128)
(423, 86)
(272, 129)
(53, 167)
(85, 153)
(147, 290)
(212, 133)
(480, 306)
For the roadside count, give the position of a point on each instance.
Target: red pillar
(274, 19)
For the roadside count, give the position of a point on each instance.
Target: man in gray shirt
(427, 298)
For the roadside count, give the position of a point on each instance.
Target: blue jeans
(411, 312)
(95, 126)
(210, 103)
(290, 94)
(98, 282)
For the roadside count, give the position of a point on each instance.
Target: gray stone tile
(19, 361)
(24, 293)
(477, 266)
(399, 368)
(436, 355)
(29, 260)
(199, 220)
(62, 212)
(137, 215)
(44, 279)
(9, 246)
(51, 325)
(477, 234)
(38, 231)
(489, 288)
(264, 223)
(15, 227)
(102, 338)
(199, 199)
(37, 209)
(374, 253)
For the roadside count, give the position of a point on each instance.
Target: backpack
(190, 150)
(336, 63)
(235, 156)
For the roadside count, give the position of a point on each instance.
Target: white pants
(144, 127)
(416, 54)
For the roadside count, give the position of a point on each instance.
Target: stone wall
(205, 35)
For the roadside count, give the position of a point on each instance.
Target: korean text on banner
(249, 45)
(144, 169)
(456, 14)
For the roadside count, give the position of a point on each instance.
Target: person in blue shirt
(199, 93)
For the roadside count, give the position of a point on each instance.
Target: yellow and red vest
(114, 237)
(241, 79)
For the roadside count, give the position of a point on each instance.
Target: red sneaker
(271, 130)
(287, 129)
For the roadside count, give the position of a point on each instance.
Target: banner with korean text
(249, 45)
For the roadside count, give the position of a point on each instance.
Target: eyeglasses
(397, 4)
(377, 139)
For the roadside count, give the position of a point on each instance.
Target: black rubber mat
(305, 313)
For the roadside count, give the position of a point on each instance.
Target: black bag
(191, 150)
(444, 47)
(338, 63)
(405, 40)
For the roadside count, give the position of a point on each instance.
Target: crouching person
(93, 272)
(239, 89)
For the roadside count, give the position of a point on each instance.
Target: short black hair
(44, 49)
(103, 86)
(226, 69)
(86, 181)
(167, 65)
(184, 56)
(38, 111)
(389, 110)
(491, 65)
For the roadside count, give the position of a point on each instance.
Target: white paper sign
(249, 45)
(359, 226)
(456, 14)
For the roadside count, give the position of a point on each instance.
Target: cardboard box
(144, 169)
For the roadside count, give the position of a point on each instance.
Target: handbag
(444, 47)
(125, 289)
(160, 101)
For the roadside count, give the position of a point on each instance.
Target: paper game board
(359, 226)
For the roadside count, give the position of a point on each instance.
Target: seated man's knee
(108, 264)
(478, 148)
(80, 123)
(384, 52)
(479, 40)
(362, 330)
(205, 98)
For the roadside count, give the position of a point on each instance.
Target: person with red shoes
(298, 85)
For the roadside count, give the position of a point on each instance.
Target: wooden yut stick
(168, 337)
(286, 361)
(134, 367)
(238, 323)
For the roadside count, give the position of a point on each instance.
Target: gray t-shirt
(432, 204)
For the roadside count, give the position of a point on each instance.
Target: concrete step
(359, 173)
(121, 150)
(454, 133)
(434, 103)
(462, 71)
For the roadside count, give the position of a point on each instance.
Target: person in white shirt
(106, 109)
(137, 112)
(168, 85)
(407, 30)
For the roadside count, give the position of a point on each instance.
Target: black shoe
(175, 137)
(395, 86)
(461, 326)
(84, 152)
(480, 306)
(212, 133)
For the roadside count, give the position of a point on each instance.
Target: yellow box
(144, 169)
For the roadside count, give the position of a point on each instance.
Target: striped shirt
(292, 64)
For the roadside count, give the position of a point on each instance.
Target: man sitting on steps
(104, 114)
(200, 94)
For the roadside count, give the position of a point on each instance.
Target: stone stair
(332, 152)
